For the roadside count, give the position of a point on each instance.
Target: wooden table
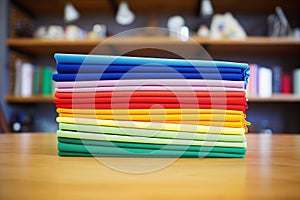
(31, 169)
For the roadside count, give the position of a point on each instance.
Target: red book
(286, 84)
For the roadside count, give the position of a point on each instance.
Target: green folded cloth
(67, 149)
(151, 140)
(185, 155)
(153, 146)
(152, 133)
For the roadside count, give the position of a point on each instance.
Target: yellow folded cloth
(155, 125)
(162, 118)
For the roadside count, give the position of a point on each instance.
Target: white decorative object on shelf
(70, 13)
(203, 31)
(206, 8)
(175, 23)
(124, 15)
(100, 30)
(55, 32)
(226, 26)
(184, 33)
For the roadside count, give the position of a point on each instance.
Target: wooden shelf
(33, 46)
(32, 99)
(266, 41)
(276, 98)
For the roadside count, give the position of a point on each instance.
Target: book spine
(286, 84)
(27, 79)
(17, 86)
(265, 82)
(36, 80)
(296, 81)
(252, 89)
(255, 80)
(46, 81)
(276, 80)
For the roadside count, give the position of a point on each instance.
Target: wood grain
(31, 169)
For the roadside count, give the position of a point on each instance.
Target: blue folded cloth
(79, 59)
(117, 76)
(126, 60)
(84, 68)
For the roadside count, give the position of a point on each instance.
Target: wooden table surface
(31, 169)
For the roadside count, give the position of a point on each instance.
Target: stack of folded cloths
(150, 107)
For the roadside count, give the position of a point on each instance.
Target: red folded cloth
(150, 106)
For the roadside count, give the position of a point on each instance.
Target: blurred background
(265, 34)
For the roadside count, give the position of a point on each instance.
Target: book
(26, 80)
(46, 80)
(264, 82)
(286, 84)
(296, 83)
(18, 72)
(277, 79)
(252, 89)
(36, 81)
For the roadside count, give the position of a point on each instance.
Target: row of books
(265, 81)
(32, 80)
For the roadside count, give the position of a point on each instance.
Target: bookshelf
(276, 98)
(254, 49)
(41, 47)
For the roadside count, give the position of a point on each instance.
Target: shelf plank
(120, 45)
(153, 40)
(32, 99)
(272, 41)
(276, 98)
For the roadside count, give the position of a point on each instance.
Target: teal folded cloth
(104, 148)
(235, 150)
(166, 155)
